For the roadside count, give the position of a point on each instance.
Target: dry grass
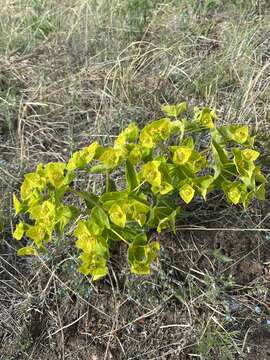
(73, 71)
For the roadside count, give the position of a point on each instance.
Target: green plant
(138, 13)
(217, 343)
(167, 164)
(24, 343)
(41, 22)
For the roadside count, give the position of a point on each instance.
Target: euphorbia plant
(167, 164)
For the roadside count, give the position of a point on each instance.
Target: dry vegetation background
(75, 71)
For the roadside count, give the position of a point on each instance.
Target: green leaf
(19, 231)
(64, 215)
(114, 196)
(244, 168)
(118, 215)
(163, 189)
(250, 154)
(54, 172)
(27, 251)
(36, 233)
(94, 228)
(85, 238)
(150, 173)
(235, 191)
(99, 169)
(94, 262)
(247, 199)
(110, 183)
(90, 199)
(240, 134)
(32, 182)
(178, 126)
(141, 255)
(99, 272)
(17, 204)
(181, 154)
(112, 157)
(168, 222)
(131, 176)
(146, 140)
(127, 234)
(205, 117)
(44, 212)
(260, 192)
(137, 210)
(203, 183)
(188, 142)
(135, 155)
(85, 243)
(220, 257)
(259, 177)
(80, 159)
(187, 193)
(174, 110)
(130, 134)
(220, 158)
(160, 129)
(100, 217)
(234, 195)
(219, 152)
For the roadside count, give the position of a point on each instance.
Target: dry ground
(74, 71)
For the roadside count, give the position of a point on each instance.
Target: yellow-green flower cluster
(39, 201)
(165, 167)
(94, 251)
